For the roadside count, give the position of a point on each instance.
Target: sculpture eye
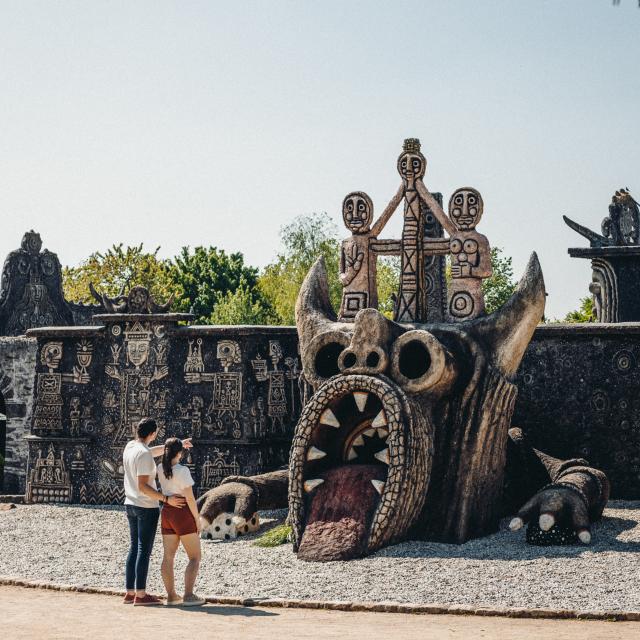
(403, 164)
(350, 205)
(472, 199)
(361, 205)
(326, 360)
(416, 163)
(459, 199)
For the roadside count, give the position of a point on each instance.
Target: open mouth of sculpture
(349, 461)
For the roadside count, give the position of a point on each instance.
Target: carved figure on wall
(48, 403)
(214, 471)
(31, 289)
(418, 439)
(137, 301)
(470, 256)
(49, 479)
(136, 377)
(276, 395)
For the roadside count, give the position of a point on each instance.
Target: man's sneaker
(129, 598)
(146, 601)
(193, 601)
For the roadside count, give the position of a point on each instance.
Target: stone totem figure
(470, 256)
(357, 256)
(412, 297)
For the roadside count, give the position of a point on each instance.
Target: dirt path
(35, 613)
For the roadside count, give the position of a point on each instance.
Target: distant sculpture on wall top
(418, 247)
(615, 260)
(137, 301)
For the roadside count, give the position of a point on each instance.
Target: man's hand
(176, 501)
(187, 444)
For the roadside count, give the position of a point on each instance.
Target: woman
(179, 525)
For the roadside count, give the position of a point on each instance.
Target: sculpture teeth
(329, 419)
(383, 456)
(310, 485)
(358, 442)
(369, 432)
(378, 485)
(382, 432)
(585, 537)
(352, 455)
(380, 420)
(315, 454)
(546, 521)
(361, 399)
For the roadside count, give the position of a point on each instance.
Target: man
(141, 503)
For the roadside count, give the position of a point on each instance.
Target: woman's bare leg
(191, 544)
(170, 544)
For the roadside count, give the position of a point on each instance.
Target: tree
(116, 269)
(304, 240)
(207, 277)
(584, 313)
(498, 288)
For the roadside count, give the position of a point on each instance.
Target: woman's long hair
(172, 447)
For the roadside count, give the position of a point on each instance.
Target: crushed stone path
(86, 546)
(52, 615)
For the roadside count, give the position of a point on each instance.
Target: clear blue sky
(185, 123)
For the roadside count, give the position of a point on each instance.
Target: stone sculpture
(137, 301)
(31, 291)
(407, 433)
(615, 260)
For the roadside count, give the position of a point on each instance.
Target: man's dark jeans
(143, 523)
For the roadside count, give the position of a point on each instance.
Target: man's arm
(145, 488)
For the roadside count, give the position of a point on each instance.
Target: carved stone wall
(578, 397)
(17, 375)
(233, 389)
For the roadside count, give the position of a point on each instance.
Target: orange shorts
(176, 521)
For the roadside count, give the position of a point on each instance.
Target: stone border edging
(372, 607)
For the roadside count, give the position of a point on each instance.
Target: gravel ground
(88, 545)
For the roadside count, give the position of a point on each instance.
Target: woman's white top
(177, 483)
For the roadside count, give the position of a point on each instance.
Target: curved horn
(506, 333)
(314, 312)
(106, 302)
(161, 308)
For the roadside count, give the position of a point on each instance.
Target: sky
(216, 123)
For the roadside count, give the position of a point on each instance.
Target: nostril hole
(349, 360)
(373, 359)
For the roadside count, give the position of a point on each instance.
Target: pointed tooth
(369, 432)
(380, 420)
(382, 432)
(329, 418)
(315, 454)
(352, 455)
(310, 485)
(378, 485)
(361, 399)
(383, 456)
(358, 442)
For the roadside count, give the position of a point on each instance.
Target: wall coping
(587, 329)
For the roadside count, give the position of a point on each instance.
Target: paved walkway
(42, 614)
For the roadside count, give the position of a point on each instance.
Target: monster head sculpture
(406, 431)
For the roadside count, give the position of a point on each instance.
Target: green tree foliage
(498, 288)
(206, 277)
(304, 240)
(584, 313)
(388, 280)
(118, 268)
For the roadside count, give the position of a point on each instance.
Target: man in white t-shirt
(141, 504)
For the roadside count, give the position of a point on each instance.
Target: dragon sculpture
(408, 435)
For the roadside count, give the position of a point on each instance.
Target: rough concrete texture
(17, 375)
(27, 614)
(87, 546)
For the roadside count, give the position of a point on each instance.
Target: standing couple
(179, 520)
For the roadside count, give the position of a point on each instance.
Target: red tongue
(339, 513)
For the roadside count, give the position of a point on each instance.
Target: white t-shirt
(137, 460)
(177, 483)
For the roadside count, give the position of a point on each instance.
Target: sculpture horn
(106, 302)
(507, 332)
